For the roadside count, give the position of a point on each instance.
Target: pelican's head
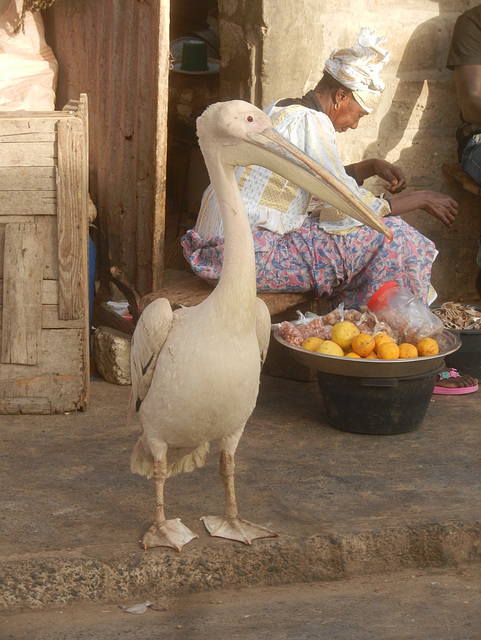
(229, 123)
(238, 133)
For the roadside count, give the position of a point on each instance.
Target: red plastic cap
(375, 301)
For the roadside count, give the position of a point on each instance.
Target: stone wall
(276, 48)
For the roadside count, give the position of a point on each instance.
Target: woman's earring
(336, 106)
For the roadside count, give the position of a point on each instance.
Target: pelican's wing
(263, 327)
(149, 336)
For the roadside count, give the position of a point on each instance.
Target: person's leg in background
(471, 164)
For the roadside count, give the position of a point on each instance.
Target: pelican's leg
(165, 533)
(230, 525)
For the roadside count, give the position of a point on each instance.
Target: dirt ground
(434, 605)
(346, 505)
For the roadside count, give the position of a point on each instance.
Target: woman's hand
(439, 205)
(385, 170)
(390, 172)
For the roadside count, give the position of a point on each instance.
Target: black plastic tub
(376, 406)
(468, 357)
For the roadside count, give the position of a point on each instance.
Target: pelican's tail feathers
(178, 460)
(186, 460)
(142, 461)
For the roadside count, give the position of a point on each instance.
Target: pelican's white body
(206, 379)
(195, 371)
(202, 383)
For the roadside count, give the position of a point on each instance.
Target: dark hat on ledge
(194, 59)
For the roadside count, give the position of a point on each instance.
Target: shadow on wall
(421, 86)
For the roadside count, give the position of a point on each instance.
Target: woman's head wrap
(357, 68)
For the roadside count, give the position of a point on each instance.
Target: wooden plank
(48, 225)
(49, 291)
(50, 265)
(15, 405)
(27, 179)
(72, 226)
(28, 203)
(22, 288)
(36, 154)
(18, 126)
(455, 172)
(28, 136)
(38, 124)
(61, 352)
(71, 106)
(128, 136)
(30, 122)
(61, 375)
(50, 319)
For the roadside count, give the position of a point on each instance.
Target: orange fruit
(372, 356)
(352, 354)
(407, 350)
(388, 351)
(343, 333)
(380, 338)
(311, 343)
(330, 348)
(428, 347)
(363, 344)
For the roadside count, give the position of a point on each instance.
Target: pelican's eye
(250, 119)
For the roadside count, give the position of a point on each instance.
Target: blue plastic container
(92, 259)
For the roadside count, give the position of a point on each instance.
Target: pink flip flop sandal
(453, 391)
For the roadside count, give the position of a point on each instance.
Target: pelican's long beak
(276, 153)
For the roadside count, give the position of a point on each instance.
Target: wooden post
(158, 231)
(72, 220)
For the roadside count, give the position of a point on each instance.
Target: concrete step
(345, 504)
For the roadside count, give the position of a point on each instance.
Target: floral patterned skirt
(345, 268)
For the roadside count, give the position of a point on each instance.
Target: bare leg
(230, 525)
(165, 533)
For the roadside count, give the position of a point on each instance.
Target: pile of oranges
(348, 341)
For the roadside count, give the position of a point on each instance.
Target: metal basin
(448, 343)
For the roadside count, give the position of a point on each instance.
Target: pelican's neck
(238, 278)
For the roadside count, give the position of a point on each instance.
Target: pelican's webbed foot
(169, 533)
(236, 529)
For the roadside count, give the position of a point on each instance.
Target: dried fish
(458, 316)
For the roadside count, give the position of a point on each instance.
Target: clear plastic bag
(312, 325)
(404, 313)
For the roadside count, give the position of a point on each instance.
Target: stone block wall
(276, 48)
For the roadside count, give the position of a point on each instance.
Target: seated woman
(464, 58)
(301, 244)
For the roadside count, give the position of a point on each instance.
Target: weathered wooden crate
(44, 319)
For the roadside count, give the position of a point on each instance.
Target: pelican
(195, 371)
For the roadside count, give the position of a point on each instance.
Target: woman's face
(348, 114)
